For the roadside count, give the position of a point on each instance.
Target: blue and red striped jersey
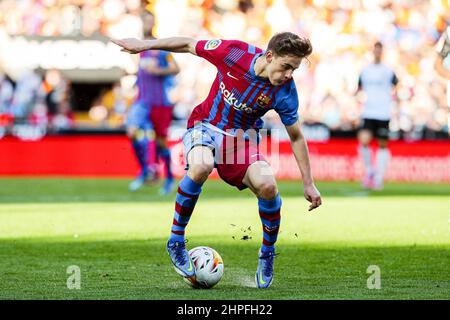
(239, 98)
(153, 89)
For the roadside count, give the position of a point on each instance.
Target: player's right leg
(200, 161)
(139, 142)
(364, 138)
(382, 155)
(139, 130)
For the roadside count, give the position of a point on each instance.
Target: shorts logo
(196, 136)
(212, 44)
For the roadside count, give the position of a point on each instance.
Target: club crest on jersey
(263, 100)
(212, 44)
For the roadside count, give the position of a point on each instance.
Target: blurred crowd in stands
(342, 33)
(33, 100)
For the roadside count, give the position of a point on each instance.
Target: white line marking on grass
(180, 284)
(356, 194)
(242, 277)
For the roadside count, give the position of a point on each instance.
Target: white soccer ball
(208, 266)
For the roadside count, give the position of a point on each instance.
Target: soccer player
(249, 82)
(152, 112)
(378, 82)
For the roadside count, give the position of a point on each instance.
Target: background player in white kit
(378, 82)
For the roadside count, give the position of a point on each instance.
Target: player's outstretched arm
(300, 149)
(174, 44)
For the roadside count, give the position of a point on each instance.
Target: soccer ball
(208, 266)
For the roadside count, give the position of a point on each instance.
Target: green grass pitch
(117, 239)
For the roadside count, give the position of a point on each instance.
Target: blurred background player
(152, 112)
(377, 81)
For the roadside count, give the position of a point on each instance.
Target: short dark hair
(289, 44)
(378, 44)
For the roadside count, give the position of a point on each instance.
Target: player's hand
(150, 66)
(312, 195)
(130, 45)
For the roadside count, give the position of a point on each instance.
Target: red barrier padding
(111, 155)
(68, 155)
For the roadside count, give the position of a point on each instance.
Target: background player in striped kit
(151, 114)
(249, 82)
(378, 82)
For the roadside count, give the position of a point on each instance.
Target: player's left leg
(382, 156)
(261, 180)
(242, 165)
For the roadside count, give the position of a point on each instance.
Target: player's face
(378, 53)
(281, 69)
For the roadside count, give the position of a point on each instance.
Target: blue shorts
(233, 154)
(205, 134)
(139, 116)
(201, 135)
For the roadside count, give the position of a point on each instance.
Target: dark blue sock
(140, 148)
(165, 155)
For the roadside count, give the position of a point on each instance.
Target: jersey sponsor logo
(231, 99)
(212, 44)
(231, 76)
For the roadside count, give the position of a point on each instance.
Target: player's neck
(260, 67)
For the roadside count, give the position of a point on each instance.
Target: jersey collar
(252, 67)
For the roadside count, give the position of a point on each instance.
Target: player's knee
(131, 133)
(364, 141)
(200, 171)
(364, 137)
(382, 143)
(267, 190)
